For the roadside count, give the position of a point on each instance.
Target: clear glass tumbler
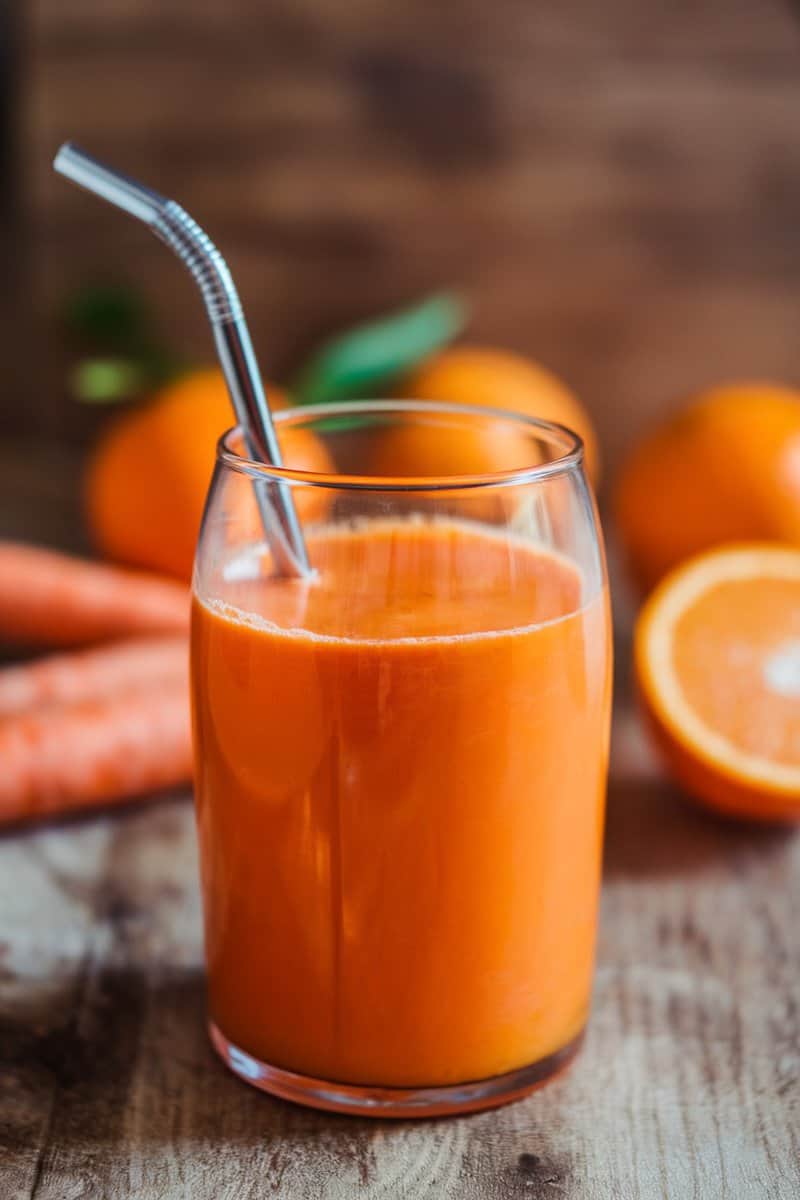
(401, 761)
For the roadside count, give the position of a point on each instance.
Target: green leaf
(373, 355)
(115, 380)
(106, 380)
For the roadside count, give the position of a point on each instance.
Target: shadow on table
(130, 1070)
(135, 1095)
(138, 1103)
(653, 829)
(97, 814)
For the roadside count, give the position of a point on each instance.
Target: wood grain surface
(689, 1084)
(615, 186)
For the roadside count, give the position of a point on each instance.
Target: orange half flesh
(717, 656)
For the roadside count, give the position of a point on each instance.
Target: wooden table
(688, 1085)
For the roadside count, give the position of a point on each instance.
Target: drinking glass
(401, 760)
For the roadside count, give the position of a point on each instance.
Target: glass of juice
(401, 760)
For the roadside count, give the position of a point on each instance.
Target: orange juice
(400, 781)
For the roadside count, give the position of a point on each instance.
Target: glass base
(393, 1102)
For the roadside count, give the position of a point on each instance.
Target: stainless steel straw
(184, 236)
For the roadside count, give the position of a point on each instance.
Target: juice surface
(400, 780)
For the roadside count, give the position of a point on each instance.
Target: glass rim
(570, 460)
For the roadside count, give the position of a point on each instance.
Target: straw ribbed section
(173, 225)
(183, 235)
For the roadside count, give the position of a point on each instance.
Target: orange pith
(718, 666)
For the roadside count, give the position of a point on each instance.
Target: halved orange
(717, 660)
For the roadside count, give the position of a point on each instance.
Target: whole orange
(725, 468)
(452, 447)
(439, 447)
(147, 478)
(494, 379)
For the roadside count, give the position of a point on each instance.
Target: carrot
(94, 674)
(52, 599)
(94, 752)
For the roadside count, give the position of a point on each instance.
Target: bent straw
(192, 245)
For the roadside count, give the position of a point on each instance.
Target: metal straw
(184, 236)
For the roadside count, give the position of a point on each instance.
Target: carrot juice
(400, 773)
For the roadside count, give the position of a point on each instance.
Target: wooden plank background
(615, 186)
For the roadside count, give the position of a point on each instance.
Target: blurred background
(615, 187)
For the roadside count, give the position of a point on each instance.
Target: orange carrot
(93, 674)
(52, 599)
(94, 752)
